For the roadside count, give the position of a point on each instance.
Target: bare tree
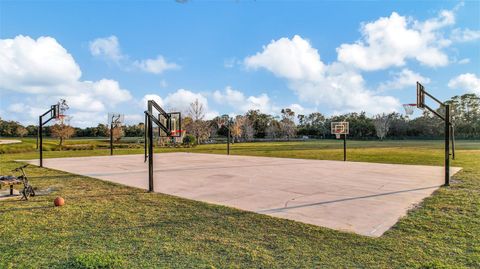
(248, 130)
(62, 131)
(198, 127)
(236, 129)
(196, 111)
(21, 131)
(117, 133)
(382, 125)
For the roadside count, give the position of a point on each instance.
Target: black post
(40, 135)
(452, 137)
(345, 147)
(111, 137)
(228, 137)
(447, 145)
(145, 130)
(150, 155)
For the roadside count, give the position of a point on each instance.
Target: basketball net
(61, 119)
(409, 108)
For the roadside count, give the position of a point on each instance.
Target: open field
(105, 223)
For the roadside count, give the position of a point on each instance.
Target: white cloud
(36, 66)
(301, 110)
(230, 62)
(464, 61)
(157, 98)
(110, 90)
(404, 78)
(134, 118)
(180, 100)
(334, 86)
(107, 47)
(465, 35)
(289, 58)
(46, 72)
(16, 107)
(237, 100)
(155, 66)
(468, 82)
(390, 41)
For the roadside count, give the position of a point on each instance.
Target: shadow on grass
(54, 177)
(25, 209)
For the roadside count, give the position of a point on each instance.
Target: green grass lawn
(109, 225)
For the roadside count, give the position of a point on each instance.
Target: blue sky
(330, 57)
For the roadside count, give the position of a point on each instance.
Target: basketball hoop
(409, 108)
(339, 128)
(223, 121)
(176, 133)
(115, 120)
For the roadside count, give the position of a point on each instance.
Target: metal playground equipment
(338, 129)
(56, 112)
(449, 127)
(169, 125)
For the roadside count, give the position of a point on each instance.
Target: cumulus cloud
(237, 100)
(390, 41)
(109, 49)
(110, 89)
(468, 82)
(404, 78)
(156, 66)
(106, 47)
(45, 71)
(465, 35)
(180, 100)
(157, 98)
(301, 110)
(335, 86)
(36, 66)
(289, 58)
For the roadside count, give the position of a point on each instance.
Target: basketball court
(364, 198)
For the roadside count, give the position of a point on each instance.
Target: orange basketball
(59, 201)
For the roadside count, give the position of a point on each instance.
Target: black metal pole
(145, 130)
(447, 145)
(228, 138)
(452, 137)
(40, 135)
(150, 155)
(111, 138)
(345, 147)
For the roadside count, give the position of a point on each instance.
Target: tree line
(287, 125)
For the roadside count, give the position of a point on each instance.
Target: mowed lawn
(104, 224)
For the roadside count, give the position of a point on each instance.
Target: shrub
(189, 141)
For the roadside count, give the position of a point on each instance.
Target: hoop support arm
(435, 112)
(434, 99)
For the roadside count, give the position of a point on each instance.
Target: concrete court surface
(364, 198)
